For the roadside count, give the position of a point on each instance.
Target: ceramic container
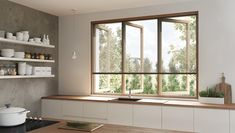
(12, 116)
(9, 35)
(25, 36)
(19, 36)
(22, 68)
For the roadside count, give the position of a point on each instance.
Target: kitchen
(65, 93)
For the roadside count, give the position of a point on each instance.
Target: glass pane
(108, 48)
(178, 85)
(179, 45)
(133, 49)
(141, 84)
(149, 39)
(107, 84)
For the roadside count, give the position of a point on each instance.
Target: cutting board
(226, 89)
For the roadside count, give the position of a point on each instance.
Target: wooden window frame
(125, 21)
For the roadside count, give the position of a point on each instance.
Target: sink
(127, 99)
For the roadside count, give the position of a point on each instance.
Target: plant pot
(211, 100)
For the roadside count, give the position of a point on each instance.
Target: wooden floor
(104, 129)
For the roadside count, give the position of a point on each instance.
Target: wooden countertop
(105, 129)
(182, 103)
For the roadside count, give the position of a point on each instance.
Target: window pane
(141, 84)
(134, 37)
(108, 47)
(178, 85)
(133, 49)
(179, 45)
(108, 83)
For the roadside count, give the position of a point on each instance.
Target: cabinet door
(120, 114)
(72, 109)
(177, 118)
(211, 120)
(147, 116)
(96, 110)
(232, 121)
(51, 109)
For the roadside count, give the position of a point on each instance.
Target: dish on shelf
(7, 52)
(19, 55)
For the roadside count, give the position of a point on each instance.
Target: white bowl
(19, 55)
(7, 52)
(37, 40)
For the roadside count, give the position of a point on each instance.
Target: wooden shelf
(25, 43)
(26, 60)
(26, 76)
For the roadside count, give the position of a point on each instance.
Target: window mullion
(159, 65)
(123, 57)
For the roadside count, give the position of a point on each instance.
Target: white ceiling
(64, 7)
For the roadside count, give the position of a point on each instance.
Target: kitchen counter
(182, 103)
(104, 129)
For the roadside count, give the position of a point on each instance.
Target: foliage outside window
(152, 57)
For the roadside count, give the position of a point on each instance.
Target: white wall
(216, 42)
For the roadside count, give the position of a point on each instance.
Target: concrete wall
(27, 92)
(216, 42)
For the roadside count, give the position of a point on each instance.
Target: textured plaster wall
(27, 92)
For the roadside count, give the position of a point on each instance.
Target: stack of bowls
(19, 55)
(7, 52)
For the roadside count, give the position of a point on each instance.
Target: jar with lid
(1, 70)
(27, 55)
(42, 56)
(12, 70)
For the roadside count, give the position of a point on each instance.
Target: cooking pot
(12, 116)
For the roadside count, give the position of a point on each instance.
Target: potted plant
(210, 95)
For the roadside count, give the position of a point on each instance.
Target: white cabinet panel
(72, 109)
(51, 108)
(232, 121)
(120, 114)
(177, 118)
(211, 120)
(147, 116)
(96, 110)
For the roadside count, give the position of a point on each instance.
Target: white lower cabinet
(147, 116)
(96, 110)
(51, 108)
(232, 121)
(120, 114)
(72, 109)
(211, 120)
(177, 118)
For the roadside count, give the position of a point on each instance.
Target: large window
(152, 56)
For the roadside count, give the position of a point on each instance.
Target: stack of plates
(7, 52)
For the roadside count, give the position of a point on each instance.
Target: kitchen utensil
(2, 34)
(12, 116)
(19, 55)
(19, 36)
(22, 68)
(7, 52)
(226, 89)
(9, 35)
(37, 40)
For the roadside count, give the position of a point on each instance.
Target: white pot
(22, 68)
(12, 116)
(211, 100)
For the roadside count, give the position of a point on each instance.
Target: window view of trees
(129, 55)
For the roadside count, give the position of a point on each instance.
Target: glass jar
(27, 55)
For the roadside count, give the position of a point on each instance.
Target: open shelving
(25, 43)
(26, 60)
(26, 76)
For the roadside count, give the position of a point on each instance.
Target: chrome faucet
(129, 96)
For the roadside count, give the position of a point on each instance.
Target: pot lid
(8, 109)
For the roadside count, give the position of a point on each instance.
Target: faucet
(129, 96)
